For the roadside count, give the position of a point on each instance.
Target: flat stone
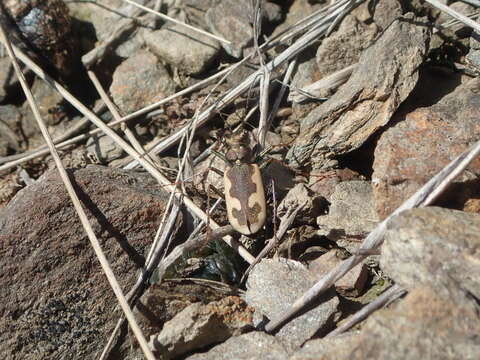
(274, 285)
(344, 47)
(351, 215)
(254, 345)
(56, 300)
(139, 81)
(435, 247)
(231, 20)
(11, 138)
(103, 149)
(199, 325)
(352, 284)
(300, 194)
(386, 12)
(196, 53)
(371, 95)
(411, 152)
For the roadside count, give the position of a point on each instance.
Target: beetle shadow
(105, 224)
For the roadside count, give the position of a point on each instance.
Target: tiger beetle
(244, 191)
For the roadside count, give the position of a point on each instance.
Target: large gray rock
(434, 246)
(367, 101)
(424, 325)
(274, 285)
(56, 300)
(410, 153)
(254, 345)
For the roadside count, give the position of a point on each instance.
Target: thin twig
(156, 252)
(77, 205)
(393, 293)
(422, 197)
(460, 17)
(116, 115)
(168, 18)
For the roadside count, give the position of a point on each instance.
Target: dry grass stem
(423, 197)
(77, 204)
(168, 18)
(455, 14)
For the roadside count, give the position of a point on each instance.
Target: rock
(352, 284)
(10, 130)
(9, 84)
(324, 348)
(459, 29)
(254, 345)
(324, 180)
(49, 103)
(424, 325)
(306, 73)
(344, 47)
(434, 247)
(274, 285)
(103, 149)
(231, 20)
(296, 12)
(139, 81)
(56, 300)
(43, 29)
(386, 12)
(473, 56)
(371, 95)
(196, 54)
(199, 325)
(300, 194)
(411, 152)
(351, 216)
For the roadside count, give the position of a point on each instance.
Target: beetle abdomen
(245, 198)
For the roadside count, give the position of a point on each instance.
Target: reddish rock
(56, 301)
(352, 284)
(415, 149)
(139, 81)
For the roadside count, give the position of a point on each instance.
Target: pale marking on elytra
(243, 188)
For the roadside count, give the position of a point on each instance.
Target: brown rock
(369, 98)
(199, 325)
(195, 55)
(414, 150)
(352, 284)
(344, 47)
(139, 81)
(56, 301)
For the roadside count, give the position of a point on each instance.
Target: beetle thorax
(239, 151)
